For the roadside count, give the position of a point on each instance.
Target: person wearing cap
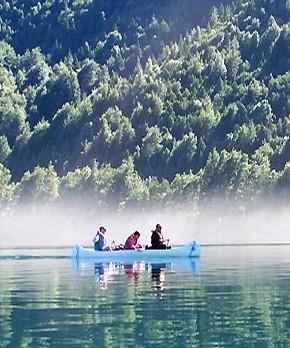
(132, 241)
(157, 239)
(100, 241)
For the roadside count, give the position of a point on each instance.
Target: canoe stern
(194, 247)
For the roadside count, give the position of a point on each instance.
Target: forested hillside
(129, 103)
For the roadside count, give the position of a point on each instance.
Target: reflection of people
(132, 271)
(99, 269)
(105, 271)
(132, 241)
(100, 240)
(158, 276)
(101, 274)
(157, 239)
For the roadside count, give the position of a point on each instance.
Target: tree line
(137, 103)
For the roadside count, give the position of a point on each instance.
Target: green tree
(89, 75)
(5, 149)
(227, 173)
(12, 111)
(40, 185)
(182, 155)
(62, 88)
(6, 187)
(283, 182)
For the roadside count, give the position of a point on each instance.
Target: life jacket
(99, 241)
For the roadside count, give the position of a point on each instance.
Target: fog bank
(64, 226)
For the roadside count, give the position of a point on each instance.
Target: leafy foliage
(132, 104)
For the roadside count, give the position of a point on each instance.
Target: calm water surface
(230, 297)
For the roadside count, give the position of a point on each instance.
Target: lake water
(231, 297)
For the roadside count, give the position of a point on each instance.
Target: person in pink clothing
(132, 241)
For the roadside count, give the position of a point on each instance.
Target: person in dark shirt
(157, 239)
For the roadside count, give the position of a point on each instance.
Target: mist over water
(65, 225)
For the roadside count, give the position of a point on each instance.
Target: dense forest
(129, 103)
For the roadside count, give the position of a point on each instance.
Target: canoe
(191, 249)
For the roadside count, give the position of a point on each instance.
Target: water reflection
(239, 299)
(106, 271)
(133, 270)
(158, 278)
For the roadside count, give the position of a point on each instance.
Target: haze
(66, 226)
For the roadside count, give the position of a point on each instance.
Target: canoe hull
(191, 249)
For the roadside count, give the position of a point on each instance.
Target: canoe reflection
(107, 271)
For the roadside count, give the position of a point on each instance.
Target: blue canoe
(191, 249)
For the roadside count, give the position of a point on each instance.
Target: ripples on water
(231, 297)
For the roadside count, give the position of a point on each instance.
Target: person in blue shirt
(100, 241)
